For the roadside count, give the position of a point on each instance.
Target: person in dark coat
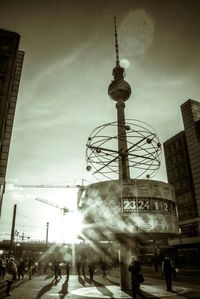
(20, 269)
(83, 265)
(2, 266)
(91, 269)
(103, 264)
(78, 266)
(167, 271)
(67, 269)
(11, 270)
(57, 269)
(30, 267)
(135, 269)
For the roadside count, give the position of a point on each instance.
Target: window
(197, 126)
(5, 44)
(180, 143)
(1, 84)
(174, 160)
(3, 63)
(169, 162)
(190, 230)
(185, 212)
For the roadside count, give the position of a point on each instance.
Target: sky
(69, 57)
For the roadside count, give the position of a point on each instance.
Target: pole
(47, 233)
(2, 190)
(181, 243)
(13, 230)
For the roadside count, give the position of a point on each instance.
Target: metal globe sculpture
(143, 150)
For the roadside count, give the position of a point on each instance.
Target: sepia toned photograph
(99, 149)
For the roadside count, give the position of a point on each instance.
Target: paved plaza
(187, 285)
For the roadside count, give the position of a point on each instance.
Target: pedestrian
(167, 271)
(2, 266)
(103, 264)
(83, 265)
(57, 269)
(20, 268)
(135, 269)
(67, 269)
(10, 275)
(30, 267)
(91, 269)
(78, 265)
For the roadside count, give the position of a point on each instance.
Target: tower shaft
(124, 173)
(119, 90)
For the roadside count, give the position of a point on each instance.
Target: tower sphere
(119, 90)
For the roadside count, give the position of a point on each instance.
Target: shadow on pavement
(104, 290)
(87, 280)
(81, 280)
(64, 290)
(113, 282)
(185, 295)
(49, 276)
(45, 289)
(98, 284)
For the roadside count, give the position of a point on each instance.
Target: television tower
(119, 90)
(126, 210)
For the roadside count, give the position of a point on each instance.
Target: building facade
(11, 61)
(182, 156)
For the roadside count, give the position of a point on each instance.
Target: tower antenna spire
(119, 89)
(118, 71)
(116, 42)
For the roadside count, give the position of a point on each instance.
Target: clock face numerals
(129, 204)
(147, 205)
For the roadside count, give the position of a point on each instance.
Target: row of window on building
(174, 146)
(190, 230)
(175, 159)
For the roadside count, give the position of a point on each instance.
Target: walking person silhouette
(167, 271)
(11, 271)
(135, 269)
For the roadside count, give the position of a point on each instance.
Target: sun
(66, 228)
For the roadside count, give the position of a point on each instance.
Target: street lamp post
(18, 250)
(47, 233)
(13, 230)
(181, 243)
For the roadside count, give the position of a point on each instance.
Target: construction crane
(47, 186)
(79, 193)
(64, 209)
